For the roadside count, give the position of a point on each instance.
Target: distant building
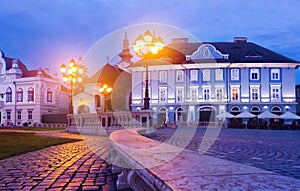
(200, 81)
(116, 77)
(25, 95)
(298, 98)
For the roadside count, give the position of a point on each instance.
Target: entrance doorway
(207, 114)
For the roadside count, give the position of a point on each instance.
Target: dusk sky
(50, 32)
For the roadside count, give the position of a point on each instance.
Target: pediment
(208, 51)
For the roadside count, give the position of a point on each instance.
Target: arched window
(8, 95)
(97, 100)
(30, 93)
(49, 96)
(20, 95)
(255, 110)
(83, 109)
(162, 110)
(276, 110)
(235, 109)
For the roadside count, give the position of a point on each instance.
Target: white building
(200, 81)
(25, 95)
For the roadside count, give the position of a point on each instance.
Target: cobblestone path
(273, 150)
(71, 166)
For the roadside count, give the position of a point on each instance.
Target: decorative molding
(208, 51)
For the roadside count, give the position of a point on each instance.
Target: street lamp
(147, 46)
(72, 74)
(105, 90)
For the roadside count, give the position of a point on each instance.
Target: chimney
(240, 39)
(180, 40)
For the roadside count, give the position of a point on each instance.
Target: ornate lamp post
(105, 90)
(72, 74)
(146, 46)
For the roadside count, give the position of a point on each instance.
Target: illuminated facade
(25, 95)
(200, 81)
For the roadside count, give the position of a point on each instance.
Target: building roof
(106, 75)
(25, 72)
(239, 52)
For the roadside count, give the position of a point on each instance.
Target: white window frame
(219, 74)
(177, 94)
(235, 74)
(254, 71)
(8, 114)
(194, 93)
(194, 75)
(217, 96)
(206, 93)
(235, 87)
(162, 76)
(19, 114)
(179, 76)
(30, 114)
(275, 87)
(254, 88)
(206, 75)
(165, 98)
(275, 71)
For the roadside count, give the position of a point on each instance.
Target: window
(254, 93)
(19, 114)
(206, 75)
(179, 76)
(8, 115)
(235, 93)
(179, 94)
(219, 94)
(163, 94)
(49, 96)
(254, 74)
(30, 93)
(206, 94)
(194, 75)
(30, 114)
(275, 74)
(163, 76)
(8, 95)
(20, 95)
(219, 74)
(275, 92)
(235, 74)
(194, 93)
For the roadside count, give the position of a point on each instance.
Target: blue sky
(49, 32)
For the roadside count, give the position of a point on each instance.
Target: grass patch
(17, 143)
(34, 128)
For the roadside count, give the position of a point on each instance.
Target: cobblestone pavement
(71, 166)
(273, 150)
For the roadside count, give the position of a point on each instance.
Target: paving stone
(54, 168)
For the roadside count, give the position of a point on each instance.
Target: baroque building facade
(201, 81)
(26, 95)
